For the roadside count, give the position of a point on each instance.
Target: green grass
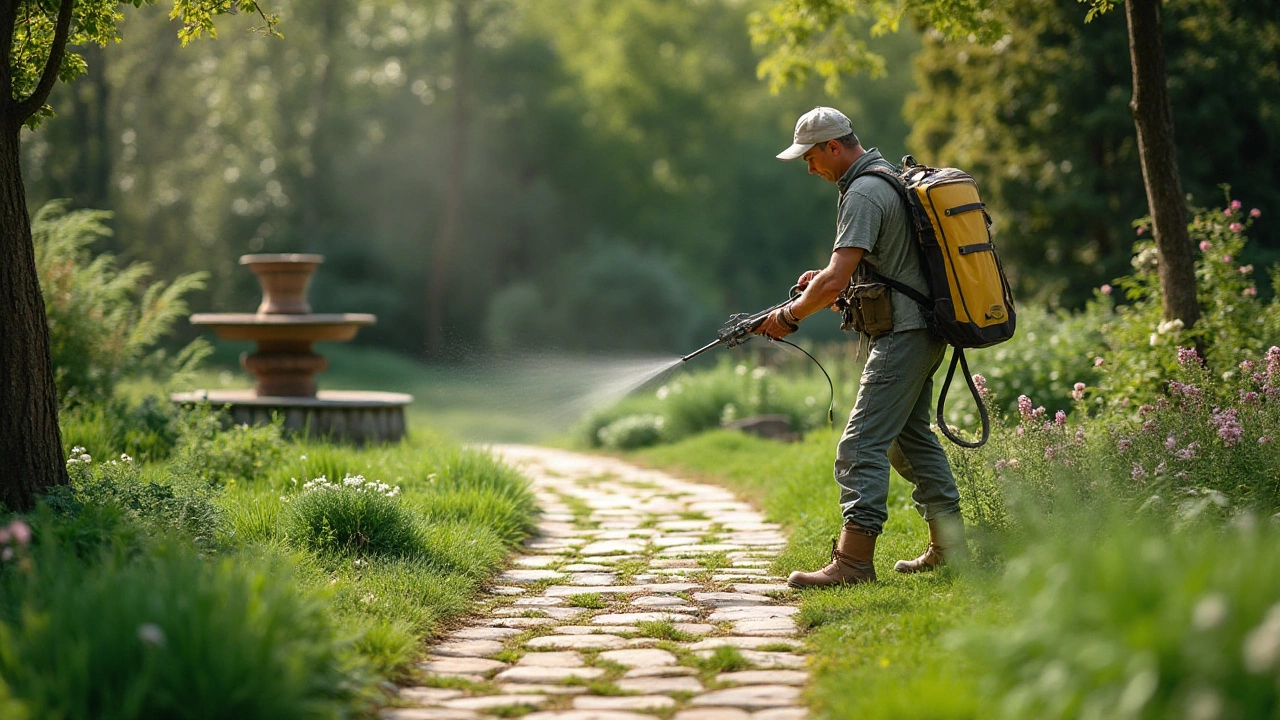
(664, 630)
(591, 601)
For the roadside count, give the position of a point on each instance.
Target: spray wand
(739, 329)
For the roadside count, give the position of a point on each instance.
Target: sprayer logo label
(996, 312)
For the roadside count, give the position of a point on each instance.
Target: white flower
(1262, 644)
(1210, 612)
(151, 634)
(302, 456)
(1168, 326)
(125, 458)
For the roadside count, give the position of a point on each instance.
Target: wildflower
(151, 634)
(1235, 205)
(1049, 452)
(1060, 418)
(1079, 436)
(1235, 227)
(1187, 355)
(1264, 440)
(1273, 361)
(1024, 407)
(1149, 427)
(1248, 396)
(1255, 212)
(125, 458)
(1186, 390)
(1105, 289)
(1226, 259)
(1139, 473)
(1251, 292)
(1226, 212)
(18, 531)
(1047, 426)
(1169, 326)
(1160, 468)
(1077, 393)
(1244, 269)
(1262, 644)
(302, 456)
(1210, 612)
(980, 382)
(1228, 426)
(1145, 409)
(759, 373)
(1189, 452)
(1142, 229)
(740, 370)
(1124, 444)
(1170, 443)
(1204, 246)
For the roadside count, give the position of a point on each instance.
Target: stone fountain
(284, 366)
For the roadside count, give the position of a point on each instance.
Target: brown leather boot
(946, 540)
(850, 561)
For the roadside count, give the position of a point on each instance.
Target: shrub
(632, 431)
(220, 456)
(353, 517)
(174, 504)
(100, 327)
(167, 635)
(146, 430)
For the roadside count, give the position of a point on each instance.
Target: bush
(352, 517)
(146, 430)
(226, 455)
(167, 635)
(632, 431)
(175, 504)
(100, 327)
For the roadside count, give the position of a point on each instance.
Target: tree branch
(8, 20)
(61, 31)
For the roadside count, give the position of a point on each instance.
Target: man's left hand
(774, 326)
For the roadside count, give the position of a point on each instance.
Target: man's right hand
(803, 282)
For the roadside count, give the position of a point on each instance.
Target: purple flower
(1248, 396)
(1188, 391)
(980, 382)
(1186, 356)
(1138, 472)
(1079, 436)
(1273, 362)
(1024, 407)
(1149, 427)
(1255, 213)
(1146, 409)
(1105, 289)
(1235, 227)
(1264, 440)
(1124, 444)
(1228, 425)
(1170, 443)
(1097, 362)
(1077, 392)
(1060, 418)
(1050, 451)
(1189, 452)
(1246, 365)
(1160, 468)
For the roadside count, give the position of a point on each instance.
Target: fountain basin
(357, 416)
(335, 327)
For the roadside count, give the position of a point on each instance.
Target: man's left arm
(821, 292)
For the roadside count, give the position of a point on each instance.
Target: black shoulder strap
(895, 180)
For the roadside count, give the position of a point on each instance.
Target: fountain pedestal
(284, 365)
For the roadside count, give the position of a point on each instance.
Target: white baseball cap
(816, 126)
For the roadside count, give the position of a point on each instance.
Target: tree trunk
(451, 218)
(1153, 118)
(30, 441)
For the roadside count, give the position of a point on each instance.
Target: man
(890, 422)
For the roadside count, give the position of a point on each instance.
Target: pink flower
(1204, 246)
(1149, 427)
(1235, 204)
(1251, 292)
(1097, 362)
(1235, 227)
(980, 382)
(1227, 212)
(1142, 230)
(1170, 443)
(1079, 436)
(1228, 426)
(1255, 213)
(1273, 362)
(1244, 269)
(1160, 468)
(1077, 393)
(1124, 444)
(1145, 409)
(1248, 397)
(1060, 418)
(1189, 452)
(20, 531)
(1265, 439)
(1105, 289)
(1246, 365)
(1188, 391)
(1138, 472)
(1024, 407)
(1050, 451)
(1226, 259)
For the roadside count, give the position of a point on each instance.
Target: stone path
(642, 596)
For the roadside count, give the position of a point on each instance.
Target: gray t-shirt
(872, 216)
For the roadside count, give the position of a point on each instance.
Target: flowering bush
(354, 516)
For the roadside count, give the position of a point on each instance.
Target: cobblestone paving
(642, 596)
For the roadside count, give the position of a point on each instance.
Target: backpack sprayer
(739, 329)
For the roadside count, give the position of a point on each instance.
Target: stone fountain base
(354, 416)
